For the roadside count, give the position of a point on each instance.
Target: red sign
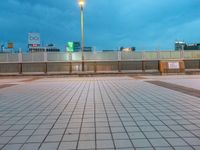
(35, 45)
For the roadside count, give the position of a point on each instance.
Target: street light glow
(81, 2)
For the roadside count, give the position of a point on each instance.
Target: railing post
(95, 66)
(45, 57)
(119, 66)
(199, 63)
(119, 55)
(182, 54)
(70, 67)
(20, 57)
(170, 52)
(159, 67)
(31, 56)
(20, 62)
(95, 55)
(119, 61)
(143, 55)
(158, 55)
(7, 57)
(143, 66)
(70, 56)
(70, 62)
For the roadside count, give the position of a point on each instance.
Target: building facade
(179, 45)
(44, 49)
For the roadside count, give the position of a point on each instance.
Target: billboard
(34, 39)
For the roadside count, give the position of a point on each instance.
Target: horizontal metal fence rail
(98, 56)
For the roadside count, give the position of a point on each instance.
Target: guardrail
(97, 56)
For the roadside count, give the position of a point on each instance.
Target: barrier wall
(90, 67)
(94, 62)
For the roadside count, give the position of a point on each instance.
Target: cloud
(108, 24)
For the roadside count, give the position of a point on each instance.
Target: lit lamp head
(81, 3)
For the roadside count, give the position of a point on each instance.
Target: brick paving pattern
(97, 113)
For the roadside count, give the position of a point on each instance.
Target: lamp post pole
(81, 3)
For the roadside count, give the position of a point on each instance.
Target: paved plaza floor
(98, 113)
(188, 81)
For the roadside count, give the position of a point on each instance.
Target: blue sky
(109, 24)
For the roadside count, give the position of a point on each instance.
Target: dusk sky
(109, 24)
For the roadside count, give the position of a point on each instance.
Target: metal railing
(97, 56)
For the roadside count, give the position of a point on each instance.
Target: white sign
(173, 65)
(34, 38)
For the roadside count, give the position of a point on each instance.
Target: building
(87, 49)
(129, 49)
(44, 49)
(108, 50)
(7, 48)
(180, 45)
(192, 46)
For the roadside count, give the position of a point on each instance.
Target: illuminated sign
(70, 46)
(33, 38)
(34, 45)
(10, 45)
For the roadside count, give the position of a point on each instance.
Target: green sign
(70, 46)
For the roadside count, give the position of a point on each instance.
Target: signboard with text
(173, 65)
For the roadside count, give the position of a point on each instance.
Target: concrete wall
(58, 67)
(9, 68)
(33, 67)
(192, 64)
(93, 66)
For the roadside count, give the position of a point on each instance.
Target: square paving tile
(67, 145)
(141, 143)
(158, 142)
(105, 144)
(97, 113)
(86, 144)
(123, 144)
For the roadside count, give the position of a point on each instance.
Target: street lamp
(81, 4)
